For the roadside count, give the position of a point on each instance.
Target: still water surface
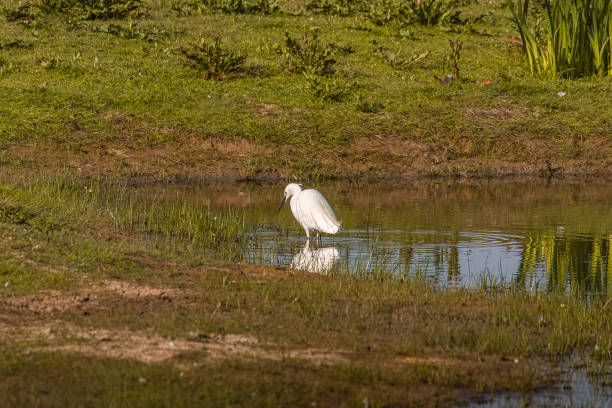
(540, 235)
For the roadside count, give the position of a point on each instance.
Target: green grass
(90, 74)
(100, 228)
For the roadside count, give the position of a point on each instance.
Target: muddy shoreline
(240, 160)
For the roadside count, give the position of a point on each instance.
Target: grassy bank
(116, 300)
(116, 97)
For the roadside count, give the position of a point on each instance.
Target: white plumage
(311, 210)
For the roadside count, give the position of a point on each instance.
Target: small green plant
(15, 44)
(187, 8)
(309, 55)
(213, 60)
(315, 61)
(432, 12)
(383, 12)
(5, 65)
(133, 31)
(324, 89)
(451, 62)
(368, 105)
(91, 9)
(23, 12)
(50, 63)
(263, 7)
(337, 7)
(235, 6)
(455, 55)
(575, 41)
(423, 12)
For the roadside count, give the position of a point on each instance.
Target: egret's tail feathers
(334, 227)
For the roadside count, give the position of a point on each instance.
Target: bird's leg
(319, 237)
(307, 235)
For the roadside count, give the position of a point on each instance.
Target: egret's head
(290, 190)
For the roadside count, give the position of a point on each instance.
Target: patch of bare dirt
(57, 301)
(151, 348)
(132, 290)
(503, 108)
(58, 335)
(46, 301)
(266, 110)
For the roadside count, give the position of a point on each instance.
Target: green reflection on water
(582, 262)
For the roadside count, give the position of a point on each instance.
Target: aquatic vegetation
(66, 204)
(565, 38)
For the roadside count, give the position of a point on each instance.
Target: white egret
(311, 210)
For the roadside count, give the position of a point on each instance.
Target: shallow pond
(536, 234)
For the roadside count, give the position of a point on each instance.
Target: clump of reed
(575, 40)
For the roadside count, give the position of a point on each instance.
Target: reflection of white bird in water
(317, 261)
(311, 210)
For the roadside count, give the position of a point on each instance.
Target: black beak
(283, 203)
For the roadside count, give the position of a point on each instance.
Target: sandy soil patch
(29, 321)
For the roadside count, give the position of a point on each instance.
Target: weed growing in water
(59, 204)
(576, 41)
(213, 60)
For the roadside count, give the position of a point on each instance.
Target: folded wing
(314, 212)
